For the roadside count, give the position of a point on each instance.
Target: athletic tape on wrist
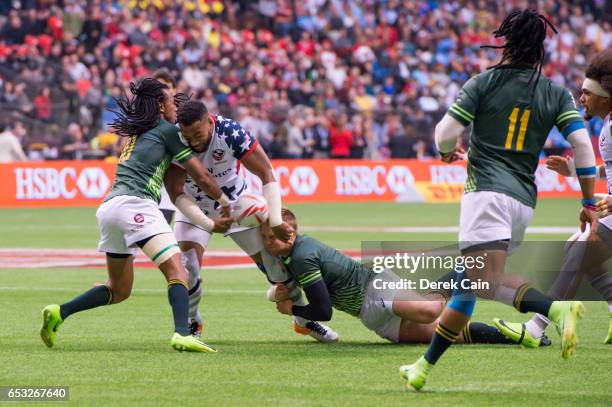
(271, 191)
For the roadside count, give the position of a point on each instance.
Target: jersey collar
(287, 260)
(214, 131)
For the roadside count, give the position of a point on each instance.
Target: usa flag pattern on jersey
(229, 144)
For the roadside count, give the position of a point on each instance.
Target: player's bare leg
(120, 269)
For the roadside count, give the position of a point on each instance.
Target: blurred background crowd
(308, 78)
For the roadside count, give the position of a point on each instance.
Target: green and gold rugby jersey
(511, 123)
(145, 159)
(346, 279)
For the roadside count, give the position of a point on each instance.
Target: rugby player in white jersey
(597, 100)
(222, 145)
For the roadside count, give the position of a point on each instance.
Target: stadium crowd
(308, 78)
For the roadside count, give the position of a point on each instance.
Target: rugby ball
(250, 210)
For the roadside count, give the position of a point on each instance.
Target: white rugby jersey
(228, 145)
(605, 149)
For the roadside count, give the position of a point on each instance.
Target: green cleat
(415, 374)
(608, 340)
(517, 333)
(51, 322)
(565, 315)
(190, 344)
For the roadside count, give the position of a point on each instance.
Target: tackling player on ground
(500, 192)
(129, 217)
(597, 100)
(222, 146)
(332, 279)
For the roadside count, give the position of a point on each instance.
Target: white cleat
(320, 332)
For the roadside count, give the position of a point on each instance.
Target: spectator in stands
(10, 147)
(295, 136)
(376, 58)
(42, 104)
(402, 141)
(73, 143)
(340, 137)
(360, 142)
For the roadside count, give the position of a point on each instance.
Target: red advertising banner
(85, 183)
(54, 183)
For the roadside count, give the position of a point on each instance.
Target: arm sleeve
(568, 119)
(179, 150)
(465, 106)
(584, 156)
(447, 132)
(239, 140)
(319, 306)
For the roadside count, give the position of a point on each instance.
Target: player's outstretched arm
(259, 164)
(567, 167)
(204, 180)
(319, 306)
(584, 161)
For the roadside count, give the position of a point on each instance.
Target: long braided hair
(525, 32)
(141, 112)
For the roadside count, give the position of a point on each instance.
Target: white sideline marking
(552, 230)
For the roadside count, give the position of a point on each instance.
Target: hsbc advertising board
(85, 183)
(55, 183)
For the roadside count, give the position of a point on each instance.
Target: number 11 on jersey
(522, 129)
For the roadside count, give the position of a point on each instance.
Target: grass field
(120, 355)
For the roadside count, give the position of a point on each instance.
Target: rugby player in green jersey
(512, 108)
(129, 217)
(331, 279)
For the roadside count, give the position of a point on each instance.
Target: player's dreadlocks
(140, 113)
(600, 69)
(525, 32)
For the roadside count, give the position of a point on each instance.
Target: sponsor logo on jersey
(139, 218)
(218, 154)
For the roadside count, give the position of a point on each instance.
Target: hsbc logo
(53, 183)
(304, 180)
(93, 183)
(399, 179)
(373, 180)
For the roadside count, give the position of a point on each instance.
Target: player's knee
(120, 293)
(160, 248)
(191, 263)
(431, 311)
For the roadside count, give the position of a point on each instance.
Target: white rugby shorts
(488, 216)
(125, 220)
